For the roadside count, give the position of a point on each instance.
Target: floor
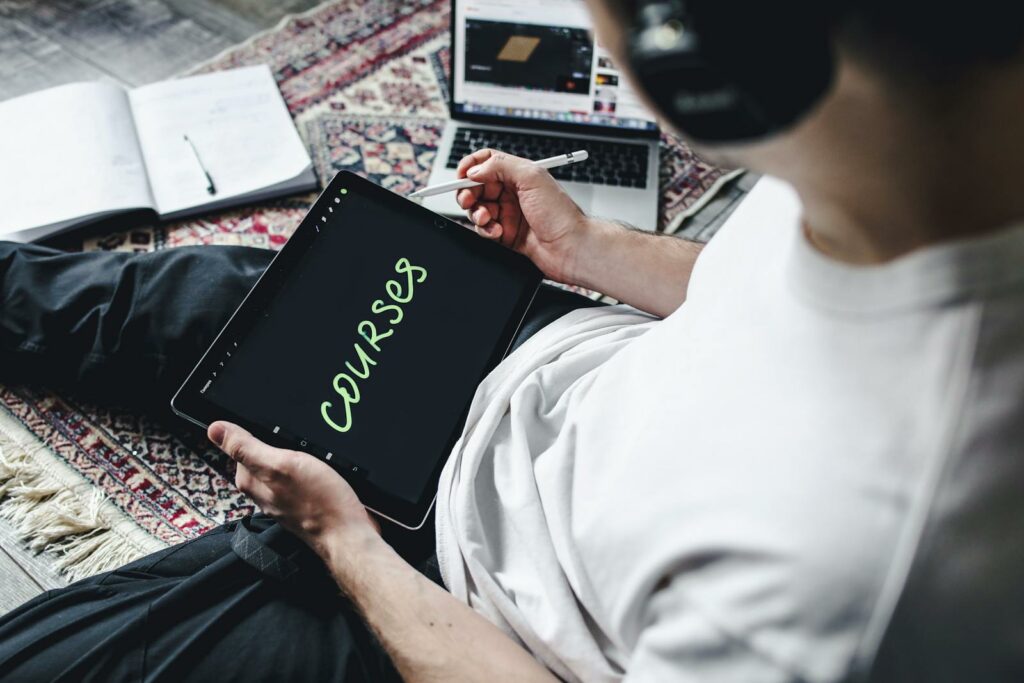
(133, 42)
(49, 43)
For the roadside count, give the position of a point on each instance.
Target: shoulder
(960, 612)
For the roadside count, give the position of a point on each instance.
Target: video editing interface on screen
(367, 358)
(511, 60)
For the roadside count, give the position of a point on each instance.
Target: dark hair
(936, 37)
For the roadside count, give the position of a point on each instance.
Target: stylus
(553, 162)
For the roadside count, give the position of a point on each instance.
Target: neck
(913, 170)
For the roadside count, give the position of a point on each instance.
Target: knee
(205, 271)
(186, 295)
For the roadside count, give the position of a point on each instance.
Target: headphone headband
(730, 72)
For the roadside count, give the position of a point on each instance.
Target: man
(808, 470)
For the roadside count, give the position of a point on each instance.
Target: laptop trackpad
(582, 194)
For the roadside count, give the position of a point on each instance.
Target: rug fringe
(51, 516)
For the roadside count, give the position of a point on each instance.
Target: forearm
(429, 634)
(648, 271)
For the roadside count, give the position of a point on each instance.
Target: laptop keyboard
(610, 163)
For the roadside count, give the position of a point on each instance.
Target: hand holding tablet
(364, 341)
(298, 490)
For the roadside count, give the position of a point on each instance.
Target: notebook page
(240, 128)
(68, 153)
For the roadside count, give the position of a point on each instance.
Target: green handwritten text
(345, 383)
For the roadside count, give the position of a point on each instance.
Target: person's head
(912, 90)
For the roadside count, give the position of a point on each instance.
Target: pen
(210, 187)
(553, 162)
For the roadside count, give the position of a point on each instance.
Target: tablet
(364, 341)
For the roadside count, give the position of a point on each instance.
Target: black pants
(246, 601)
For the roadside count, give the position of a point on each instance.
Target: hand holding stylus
(517, 203)
(552, 162)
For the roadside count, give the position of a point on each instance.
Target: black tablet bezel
(190, 403)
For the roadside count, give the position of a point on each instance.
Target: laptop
(529, 78)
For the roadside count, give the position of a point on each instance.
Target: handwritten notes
(80, 152)
(372, 332)
(67, 153)
(236, 121)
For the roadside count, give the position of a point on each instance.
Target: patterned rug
(365, 82)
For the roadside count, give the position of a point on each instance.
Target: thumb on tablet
(244, 448)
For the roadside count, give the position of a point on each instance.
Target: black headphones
(732, 72)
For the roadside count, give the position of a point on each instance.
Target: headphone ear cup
(718, 77)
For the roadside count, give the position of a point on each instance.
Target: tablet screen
(367, 348)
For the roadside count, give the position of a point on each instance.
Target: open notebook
(77, 153)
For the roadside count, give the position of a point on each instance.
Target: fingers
(485, 217)
(492, 230)
(494, 169)
(468, 197)
(263, 461)
(501, 175)
(498, 170)
(482, 214)
(254, 488)
(470, 160)
(491, 190)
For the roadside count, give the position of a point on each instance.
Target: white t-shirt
(791, 471)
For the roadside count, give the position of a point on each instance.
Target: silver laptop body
(522, 84)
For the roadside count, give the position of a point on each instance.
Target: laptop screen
(511, 59)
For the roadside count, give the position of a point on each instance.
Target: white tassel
(53, 518)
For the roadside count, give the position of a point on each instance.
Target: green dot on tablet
(344, 191)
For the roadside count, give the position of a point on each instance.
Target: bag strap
(264, 559)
